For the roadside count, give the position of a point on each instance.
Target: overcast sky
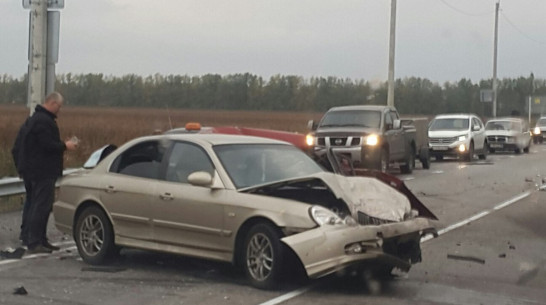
(442, 40)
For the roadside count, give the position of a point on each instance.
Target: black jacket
(38, 149)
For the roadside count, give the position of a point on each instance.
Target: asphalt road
(491, 250)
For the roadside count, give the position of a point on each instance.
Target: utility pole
(495, 59)
(43, 48)
(390, 94)
(37, 53)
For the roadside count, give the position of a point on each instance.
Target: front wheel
(264, 256)
(94, 236)
(483, 155)
(383, 163)
(470, 155)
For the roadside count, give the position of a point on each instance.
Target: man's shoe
(38, 249)
(46, 244)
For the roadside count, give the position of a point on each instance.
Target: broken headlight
(323, 216)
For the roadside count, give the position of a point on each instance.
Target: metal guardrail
(15, 186)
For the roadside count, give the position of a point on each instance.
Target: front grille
(442, 140)
(338, 141)
(366, 220)
(501, 139)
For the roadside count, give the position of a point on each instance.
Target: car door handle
(166, 196)
(110, 189)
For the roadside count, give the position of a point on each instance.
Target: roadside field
(96, 127)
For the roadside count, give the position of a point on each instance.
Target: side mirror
(396, 124)
(200, 178)
(311, 125)
(475, 128)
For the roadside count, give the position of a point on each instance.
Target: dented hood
(361, 194)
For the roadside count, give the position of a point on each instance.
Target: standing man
(38, 155)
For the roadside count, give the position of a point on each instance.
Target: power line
(465, 13)
(520, 31)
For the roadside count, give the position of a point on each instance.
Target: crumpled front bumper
(330, 248)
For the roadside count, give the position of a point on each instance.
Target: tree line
(413, 95)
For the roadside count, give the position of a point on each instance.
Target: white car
(457, 135)
(508, 134)
(540, 130)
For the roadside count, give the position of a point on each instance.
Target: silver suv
(457, 135)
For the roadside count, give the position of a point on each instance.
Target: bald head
(53, 102)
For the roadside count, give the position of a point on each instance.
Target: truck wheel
(410, 163)
(383, 163)
(424, 157)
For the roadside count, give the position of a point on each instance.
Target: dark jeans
(26, 208)
(42, 196)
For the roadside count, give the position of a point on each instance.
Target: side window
(476, 122)
(142, 160)
(186, 158)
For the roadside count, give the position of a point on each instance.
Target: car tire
(264, 256)
(470, 155)
(94, 236)
(408, 167)
(483, 155)
(424, 157)
(383, 163)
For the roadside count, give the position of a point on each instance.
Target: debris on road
(12, 253)
(466, 258)
(20, 291)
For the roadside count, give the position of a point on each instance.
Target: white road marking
(287, 296)
(479, 215)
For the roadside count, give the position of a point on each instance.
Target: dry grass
(96, 127)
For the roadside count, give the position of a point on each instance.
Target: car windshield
(502, 125)
(255, 164)
(358, 118)
(449, 124)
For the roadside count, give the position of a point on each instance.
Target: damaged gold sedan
(251, 201)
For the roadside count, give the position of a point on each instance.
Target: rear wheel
(94, 236)
(264, 256)
(408, 167)
(424, 157)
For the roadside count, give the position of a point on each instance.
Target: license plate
(495, 145)
(439, 148)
